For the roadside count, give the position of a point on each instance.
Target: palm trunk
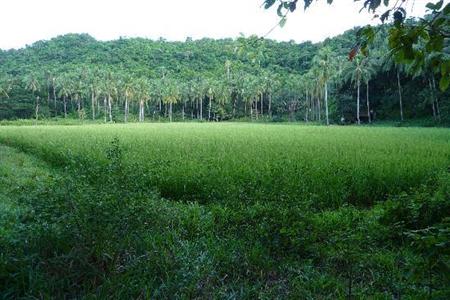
(209, 109)
(358, 102)
(262, 104)
(368, 103)
(182, 112)
(109, 108)
(141, 111)
(432, 99)
(93, 104)
(48, 94)
(170, 112)
(99, 109)
(400, 95)
(318, 109)
(78, 107)
(54, 97)
(438, 111)
(37, 108)
(201, 109)
(270, 105)
(65, 106)
(106, 108)
(326, 103)
(126, 109)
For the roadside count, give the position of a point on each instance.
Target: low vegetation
(224, 211)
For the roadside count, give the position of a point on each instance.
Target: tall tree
(326, 68)
(33, 84)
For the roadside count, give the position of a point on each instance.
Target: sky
(23, 22)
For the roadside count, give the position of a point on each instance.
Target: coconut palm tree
(324, 62)
(128, 92)
(6, 84)
(33, 84)
(354, 71)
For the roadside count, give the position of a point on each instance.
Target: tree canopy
(423, 44)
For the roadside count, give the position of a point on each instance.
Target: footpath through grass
(224, 211)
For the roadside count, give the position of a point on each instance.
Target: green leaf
(436, 6)
(282, 22)
(444, 82)
(280, 10)
(269, 3)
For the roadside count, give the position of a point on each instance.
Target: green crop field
(224, 211)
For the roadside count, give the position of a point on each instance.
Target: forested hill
(76, 75)
(144, 57)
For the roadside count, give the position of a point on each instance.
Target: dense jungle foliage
(139, 79)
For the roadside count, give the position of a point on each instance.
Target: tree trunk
(326, 103)
(54, 97)
(400, 95)
(182, 112)
(78, 106)
(262, 104)
(141, 111)
(48, 94)
(307, 106)
(270, 105)
(318, 109)
(93, 104)
(170, 112)
(358, 102)
(106, 108)
(209, 109)
(37, 108)
(201, 109)
(65, 106)
(99, 109)
(126, 109)
(110, 108)
(438, 111)
(432, 99)
(368, 103)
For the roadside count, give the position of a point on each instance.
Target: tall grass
(246, 163)
(281, 211)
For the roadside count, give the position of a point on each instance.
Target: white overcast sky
(23, 22)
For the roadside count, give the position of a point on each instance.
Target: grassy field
(228, 210)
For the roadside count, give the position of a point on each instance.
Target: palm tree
(354, 71)
(142, 92)
(389, 64)
(325, 63)
(63, 85)
(128, 92)
(171, 95)
(6, 84)
(32, 84)
(210, 93)
(368, 72)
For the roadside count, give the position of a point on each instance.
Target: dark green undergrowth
(95, 231)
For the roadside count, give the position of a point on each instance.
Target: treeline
(139, 79)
